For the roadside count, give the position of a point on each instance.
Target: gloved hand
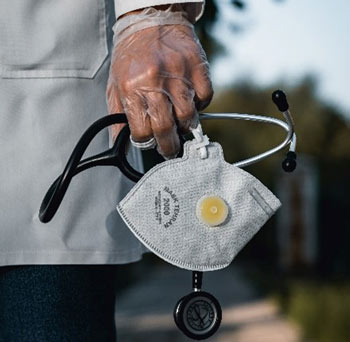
(159, 76)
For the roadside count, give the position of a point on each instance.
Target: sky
(285, 40)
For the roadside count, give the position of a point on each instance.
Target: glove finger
(163, 124)
(138, 119)
(202, 85)
(114, 107)
(182, 98)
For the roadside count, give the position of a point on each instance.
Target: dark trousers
(57, 303)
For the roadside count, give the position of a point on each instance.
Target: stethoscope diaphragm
(198, 315)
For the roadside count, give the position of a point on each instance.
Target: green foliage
(322, 311)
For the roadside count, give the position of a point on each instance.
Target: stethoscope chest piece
(198, 314)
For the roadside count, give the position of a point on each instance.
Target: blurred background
(292, 281)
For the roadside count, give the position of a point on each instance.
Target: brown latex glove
(159, 77)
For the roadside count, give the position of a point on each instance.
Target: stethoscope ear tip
(290, 163)
(279, 98)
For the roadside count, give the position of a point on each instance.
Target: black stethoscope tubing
(114, 156)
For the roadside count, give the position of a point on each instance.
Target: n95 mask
(198, 211)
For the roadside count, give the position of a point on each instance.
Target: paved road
(144, 311)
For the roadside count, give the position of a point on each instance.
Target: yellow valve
(212, 210)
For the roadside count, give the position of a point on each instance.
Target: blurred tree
(204, 27)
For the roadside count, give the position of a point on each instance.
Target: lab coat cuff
(195, 11)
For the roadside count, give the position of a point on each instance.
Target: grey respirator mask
(196, 211)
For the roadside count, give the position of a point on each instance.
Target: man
(58, 65)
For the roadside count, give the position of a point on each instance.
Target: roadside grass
(321, 308)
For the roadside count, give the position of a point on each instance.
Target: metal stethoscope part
(279, 98)
(287, 126)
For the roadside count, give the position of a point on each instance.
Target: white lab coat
(54, 63)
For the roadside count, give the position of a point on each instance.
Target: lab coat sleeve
(123, 6)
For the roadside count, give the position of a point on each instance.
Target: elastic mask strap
(202, 141)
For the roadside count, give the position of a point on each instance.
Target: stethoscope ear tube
(115, 156)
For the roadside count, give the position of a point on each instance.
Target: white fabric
(195, 9)
(54, 63)
(50, 92)
(166, 220)
(51, 38)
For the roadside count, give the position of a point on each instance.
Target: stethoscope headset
(198, 315)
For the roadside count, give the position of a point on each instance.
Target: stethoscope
(198, 314)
